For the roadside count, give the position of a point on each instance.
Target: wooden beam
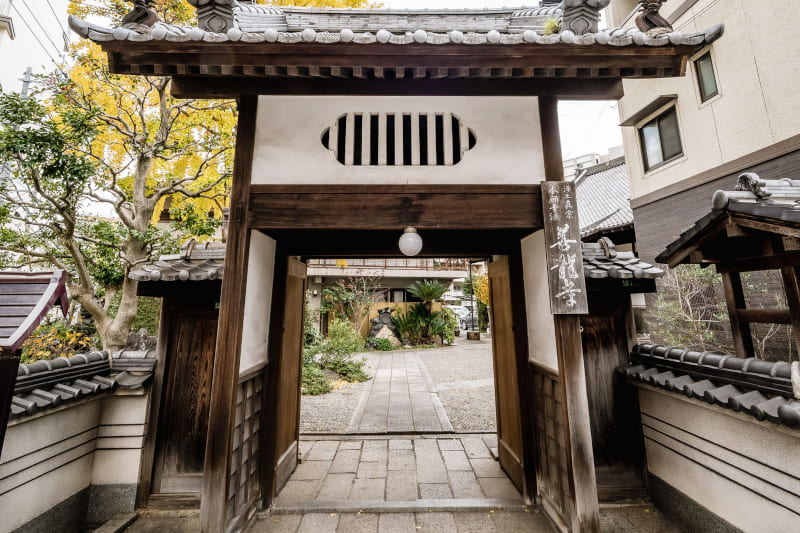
(222, 411)
(750, 264)
(764, 316)
(232, 87)
(376, 207)
(584, 512)
(740, 330)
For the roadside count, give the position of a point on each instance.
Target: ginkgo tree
(94, 160)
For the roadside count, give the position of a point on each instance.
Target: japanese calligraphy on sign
(563, 242)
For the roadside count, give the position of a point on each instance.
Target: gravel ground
(462, 374)
(331, 413)
(464, 377)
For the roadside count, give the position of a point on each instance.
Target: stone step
(413, 506)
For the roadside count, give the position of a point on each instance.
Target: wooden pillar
(791, 284)
(585, 512)
(222, 412)
(9, 365)
(734, 297)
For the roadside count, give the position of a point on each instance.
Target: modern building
(734, 112)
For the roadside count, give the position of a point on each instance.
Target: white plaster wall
(258, 301)
(288, 147)
(49, 457)
(758, 75)
(46, 459)
(739, 468)
(541, 328)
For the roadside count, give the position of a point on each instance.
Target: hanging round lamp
(410, 242)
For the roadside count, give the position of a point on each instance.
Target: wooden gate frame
(514, 208)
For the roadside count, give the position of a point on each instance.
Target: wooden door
(509, 427)
(287, 406)
(183, 419)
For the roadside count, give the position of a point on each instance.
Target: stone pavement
(364, 472)
(400, 398)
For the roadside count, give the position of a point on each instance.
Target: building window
(661, 140)
(706, 81)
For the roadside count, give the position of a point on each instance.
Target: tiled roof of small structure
(260, 23)
(753, 386)
(601, 260)
(604, 197)
(25, 299)
(774, 199)
(196, 262)
(199, 262)
(46, 384)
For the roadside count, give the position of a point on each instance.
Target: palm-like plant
(427, 291)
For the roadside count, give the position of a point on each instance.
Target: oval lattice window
(398, 139)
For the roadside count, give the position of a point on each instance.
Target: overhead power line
(44, 30)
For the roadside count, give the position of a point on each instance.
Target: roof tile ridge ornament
(142, 13)
(650, 21)
(214, 15)
(582, 16)
(752, 182)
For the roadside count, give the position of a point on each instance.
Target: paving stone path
(400, 398)
(359, 473)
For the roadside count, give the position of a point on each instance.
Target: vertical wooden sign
(563, 244)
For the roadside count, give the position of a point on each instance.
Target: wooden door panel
(288, 398)
(183, 425)
(509, 429)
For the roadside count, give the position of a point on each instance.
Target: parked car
(469, 323)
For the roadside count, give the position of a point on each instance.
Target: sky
(586, 127)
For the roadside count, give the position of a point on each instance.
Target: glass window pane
(651, 145)
(670, 138)
(705, 77)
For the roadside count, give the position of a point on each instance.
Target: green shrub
(342, 340)
(552, 26)
(348, 368)
(314, 380)
(383, 345)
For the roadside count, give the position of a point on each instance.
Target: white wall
(49, 457)
(288, 147)
(758, 75)
(258, 301)
(541, 328)
(741, 469)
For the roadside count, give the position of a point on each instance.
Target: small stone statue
(142, 13)
(650, 20)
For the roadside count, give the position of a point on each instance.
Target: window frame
(699, 78)
(657, 119)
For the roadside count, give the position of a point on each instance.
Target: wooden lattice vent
(398, 139)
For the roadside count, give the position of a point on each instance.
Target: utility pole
(26, 80)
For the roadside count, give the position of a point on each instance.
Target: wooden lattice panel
(243, 488)
(552, 463)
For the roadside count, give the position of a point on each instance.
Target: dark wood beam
(740, 330)
(222, 410)
(751, 264)
(764, 316)
(584, 512)
(791, 284)
(376, 207)
(231, 87)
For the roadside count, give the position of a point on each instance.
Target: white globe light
(410, 242)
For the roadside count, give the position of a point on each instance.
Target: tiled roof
(196, 262)
(753, 386)
(45, 384)
(602, 260)
(604, 197)
(25, 299)
(772, 199)
(255, 24)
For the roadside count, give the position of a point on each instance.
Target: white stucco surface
(741, 469)
(541, 328)
(289, 150)
(258, 301)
